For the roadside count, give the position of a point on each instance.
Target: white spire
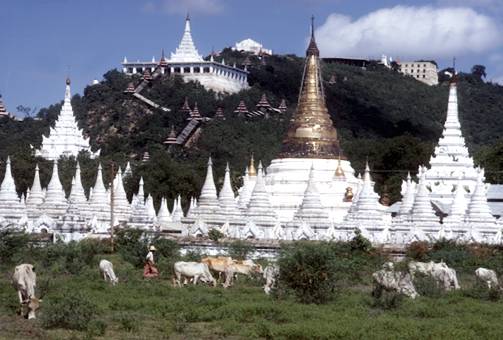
(139, 210)
(245, 191)
(208, 200)
(177, 213)
(99, 200)
(367, 206)
(186, 51)
(150, 206)
(36, 196)
(10, 205)
(422, 209)
(66, 138)
(8, 188)
(55, 203)
(478, 208)
(226, 198)
(311, 207)
(408, 198)
(122, 209)
(259, 208)
(77, 195)
(163, 216)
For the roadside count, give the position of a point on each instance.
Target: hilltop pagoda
(65, 138)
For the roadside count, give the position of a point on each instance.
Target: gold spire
(252, 172)
(311, 133)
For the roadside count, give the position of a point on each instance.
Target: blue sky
(41, 41)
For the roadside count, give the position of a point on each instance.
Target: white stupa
(65, 138)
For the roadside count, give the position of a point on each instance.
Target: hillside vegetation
(392, 120)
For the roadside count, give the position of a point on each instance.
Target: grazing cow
(390, 280)
(193, 270)
(239, 268)
(440, 272)
(107, 269)
(487, 276)
(217, 264)
(271, 273)
(24, 281)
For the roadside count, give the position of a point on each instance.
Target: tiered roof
(241, 109)
(186, 51)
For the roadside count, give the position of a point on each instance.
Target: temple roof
(186, 51)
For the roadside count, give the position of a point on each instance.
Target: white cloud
(208, 7)
(415, 32)
(492, 5)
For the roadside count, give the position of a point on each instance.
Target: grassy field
(153, 309)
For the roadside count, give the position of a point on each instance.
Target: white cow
(390, 280)
(487, 276)
(193, 270)
(107, 269)
(24, 281)
(235, 268)
(271, 273)
(440, 272)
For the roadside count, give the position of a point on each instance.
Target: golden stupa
(311, 133)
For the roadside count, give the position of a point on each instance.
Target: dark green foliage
(480, 291)
(308, 269)
(96, 328)
(132, 246)
(359, 242)
(386, 300)
(239, 249)
(12, 242)
(167, 248)
(427, 286)
(68, 310)
(70, 258)
(215, 235)
(129, 322)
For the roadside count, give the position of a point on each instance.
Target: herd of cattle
(387, 279)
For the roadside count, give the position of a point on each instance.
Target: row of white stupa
(280, 205)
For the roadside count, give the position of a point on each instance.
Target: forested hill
(391, 119)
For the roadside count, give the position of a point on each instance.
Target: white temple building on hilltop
(65, 138)
(188, 63)
(251, 46)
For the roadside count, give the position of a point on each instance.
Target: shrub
(359, 242)
(68, 258)
(132, 246)
(480, 291)
(11, 243)
(70, 310)
(427, 286)
(167, 248)
(96, 328)
(386, 300)
(418, 251)
(239, 249)
(129, 323)
(215, 235)
(308, 269)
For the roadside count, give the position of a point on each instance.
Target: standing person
(149, 270)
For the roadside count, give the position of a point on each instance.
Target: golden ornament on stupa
(252, 172)
(311, 133)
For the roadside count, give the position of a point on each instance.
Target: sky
(43, 41)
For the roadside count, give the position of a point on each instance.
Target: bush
(96, 328)
(167, 248)
(215, 235)
(427, 286)
(239, 249)
(69, 258)
(479, 291)
(129, 323)
(132, 246)
(386, 300)
(418, 251)
(70, 310)
(12, 242)
(308, 269)
(359, 242)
